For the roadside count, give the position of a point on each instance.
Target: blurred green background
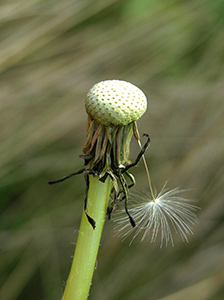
(51, 53)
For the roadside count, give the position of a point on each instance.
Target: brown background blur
(51, 53)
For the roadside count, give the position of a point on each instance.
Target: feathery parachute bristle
(160, 216)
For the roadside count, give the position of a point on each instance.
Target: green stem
(80, 277)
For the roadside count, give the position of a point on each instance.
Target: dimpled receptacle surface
(115, 102)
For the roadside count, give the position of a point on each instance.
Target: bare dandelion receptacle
(115, 103)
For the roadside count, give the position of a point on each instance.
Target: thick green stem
(80, 277)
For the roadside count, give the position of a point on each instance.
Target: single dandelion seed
(160, 214)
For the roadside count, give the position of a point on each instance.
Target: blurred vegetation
(51, 53)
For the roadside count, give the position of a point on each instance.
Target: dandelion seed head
(168, 212)
(115, 102)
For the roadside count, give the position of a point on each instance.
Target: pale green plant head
(115, 103)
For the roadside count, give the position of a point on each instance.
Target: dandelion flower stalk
(80, 277)
(113, 107)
